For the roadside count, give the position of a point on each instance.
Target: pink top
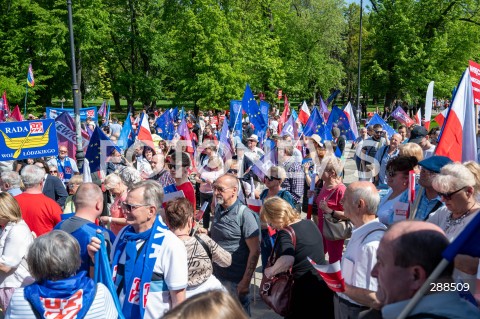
(117, 212)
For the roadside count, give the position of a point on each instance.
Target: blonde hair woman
(457, 187)
(310, 292)
(411, 149)
(216, 304)
(15, 240)
(273, 181)
(329, 202)
(116, 187)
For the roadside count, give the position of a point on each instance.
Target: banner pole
(25, 103)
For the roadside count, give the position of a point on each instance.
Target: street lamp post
(76, 96)
(359, 59)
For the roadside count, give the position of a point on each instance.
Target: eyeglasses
(129, 207)
(63, 152)
(378, 132)
(271, 178)
(219, 188)
(448, 196)
(232, 171)
(53, 172)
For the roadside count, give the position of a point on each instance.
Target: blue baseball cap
(435, 163)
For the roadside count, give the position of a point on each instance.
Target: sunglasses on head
(448, 196)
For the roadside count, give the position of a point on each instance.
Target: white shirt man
(360, 203)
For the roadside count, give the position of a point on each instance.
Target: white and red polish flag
(348, 110)
(144, 134)
(458, 136)
(304, 113)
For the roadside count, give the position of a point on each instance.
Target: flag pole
(423, 289)
(25, 103)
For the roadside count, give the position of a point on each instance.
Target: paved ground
(258, 308)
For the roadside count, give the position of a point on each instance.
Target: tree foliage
(205, 51)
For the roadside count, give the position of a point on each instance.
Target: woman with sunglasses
(457, 188)
(273, 181)
(397, 179)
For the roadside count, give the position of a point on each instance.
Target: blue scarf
(138, 266)
(71, 297)
(65, 170)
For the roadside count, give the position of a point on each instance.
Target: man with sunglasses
(236, 229)
(149, 261)
(370, 147)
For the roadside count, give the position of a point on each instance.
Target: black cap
(417, 134)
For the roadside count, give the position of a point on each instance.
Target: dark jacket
(54, 188)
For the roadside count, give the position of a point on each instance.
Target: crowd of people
(197, 252)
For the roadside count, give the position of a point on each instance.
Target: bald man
(383, 155)
(360, 203)
(236, 229)
(408, 253)
(88, 202)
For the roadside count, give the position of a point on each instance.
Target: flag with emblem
(339, 119)
(99, 148)
(316, 125)
(165, 127)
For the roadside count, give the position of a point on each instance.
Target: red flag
(285, 115)
(16, 114)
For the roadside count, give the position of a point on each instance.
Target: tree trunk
(116, 98)
(196, 108)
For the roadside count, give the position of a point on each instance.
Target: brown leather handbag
(276, 292)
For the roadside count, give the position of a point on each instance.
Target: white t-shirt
(360, 257)
(171, 262)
